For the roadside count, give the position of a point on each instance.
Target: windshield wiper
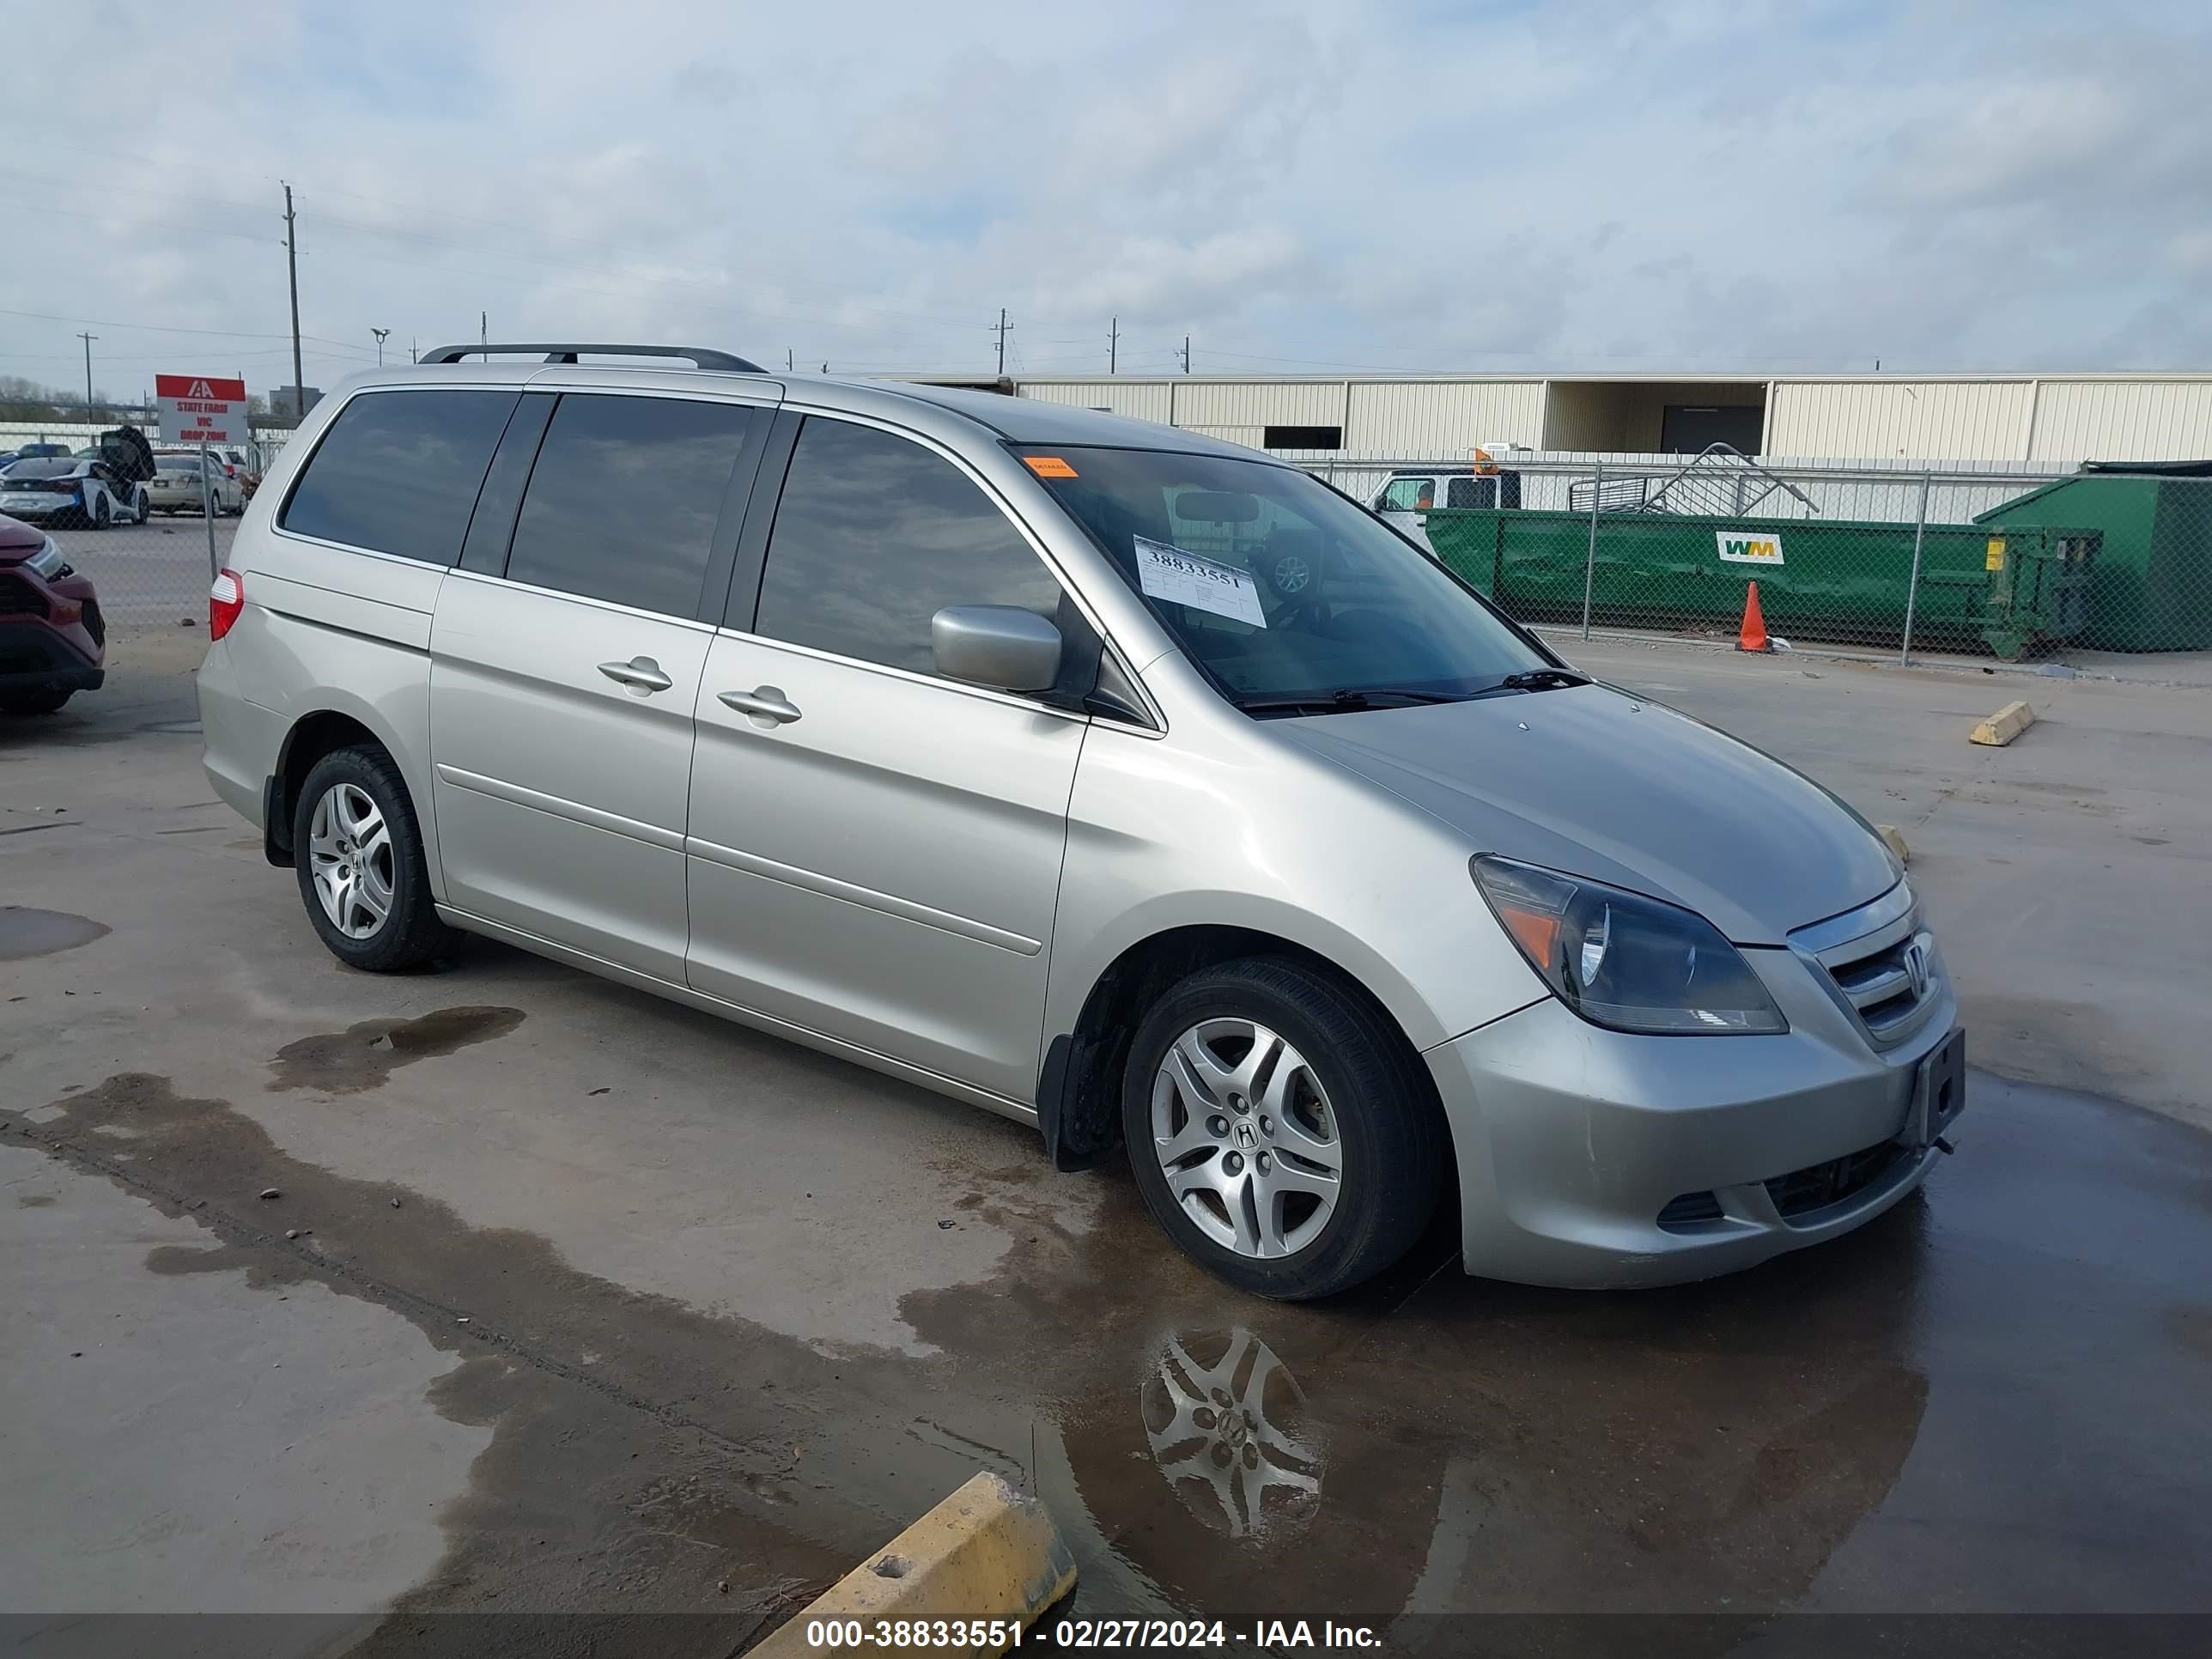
(1350, 700)
(1542, 679)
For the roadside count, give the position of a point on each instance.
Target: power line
(157, 328)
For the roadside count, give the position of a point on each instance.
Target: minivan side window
(874, 536)
(398, 472)
(624, 502)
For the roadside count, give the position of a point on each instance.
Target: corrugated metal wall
(2057, 421)
(1241, 403)
(2105, 420)
(1918, 419)
(1137, 399)
(1442, 418)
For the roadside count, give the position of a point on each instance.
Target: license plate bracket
(1939, 1092)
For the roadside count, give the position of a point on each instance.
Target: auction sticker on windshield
(1179, 578)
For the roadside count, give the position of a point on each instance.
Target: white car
(66, 491)
(175, 486)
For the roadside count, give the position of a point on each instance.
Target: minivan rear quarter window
(399, 472)
(624, 499)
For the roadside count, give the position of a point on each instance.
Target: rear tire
(1300, 1175)
(43, 701)
(99, 514)
(357, 850)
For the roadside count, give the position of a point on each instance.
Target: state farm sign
(196, 409)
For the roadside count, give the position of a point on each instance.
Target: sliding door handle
(639, 673)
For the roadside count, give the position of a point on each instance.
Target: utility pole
(413, 355)
(1186, 353)
(1004, 328)
(1113, 342)
(87, 339)
(790, 361)
(292, 271)
(484, 328)
(380, 333)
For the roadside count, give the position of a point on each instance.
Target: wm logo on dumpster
(1748, 546)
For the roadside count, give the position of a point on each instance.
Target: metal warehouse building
(2052, 421)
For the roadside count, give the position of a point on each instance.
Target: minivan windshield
(1293, 599)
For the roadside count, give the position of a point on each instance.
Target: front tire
(1279, 1129)
(358, 849)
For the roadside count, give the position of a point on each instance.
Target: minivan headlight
(1623, 961)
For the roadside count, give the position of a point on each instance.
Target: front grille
(1883, 967)
(1880, 985)
(19, 598)
(1817, 1187)
(1688, 1211)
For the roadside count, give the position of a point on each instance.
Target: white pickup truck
(1409, 493)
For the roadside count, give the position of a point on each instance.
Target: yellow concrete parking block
(986, 1562)
(2001, 727)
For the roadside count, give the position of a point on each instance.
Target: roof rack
(699, 356)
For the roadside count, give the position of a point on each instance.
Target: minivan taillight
(225, 600)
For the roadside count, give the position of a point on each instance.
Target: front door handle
(640, 674)
(766, 704)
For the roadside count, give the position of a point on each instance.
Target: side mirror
(1000, 646)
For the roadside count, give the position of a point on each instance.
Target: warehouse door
(1688, 428)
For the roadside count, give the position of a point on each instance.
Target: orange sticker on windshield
(1048, 466)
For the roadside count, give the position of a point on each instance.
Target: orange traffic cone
(1752, 635)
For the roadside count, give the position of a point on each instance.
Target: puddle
(25, 933)
(632, 1488)
(1230, 1434)
(1427, 1444)
(367, 1053)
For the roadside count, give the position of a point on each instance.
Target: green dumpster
(1847, 579)
(2152, 586)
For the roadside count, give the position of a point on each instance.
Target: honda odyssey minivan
(1130, 784)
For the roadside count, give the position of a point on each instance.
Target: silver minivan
(1127, 783)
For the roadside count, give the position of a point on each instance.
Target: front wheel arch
(1079, 1087)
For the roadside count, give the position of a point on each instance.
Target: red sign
(200, 409)
(199, 387)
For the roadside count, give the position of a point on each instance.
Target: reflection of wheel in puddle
(1231, 1437)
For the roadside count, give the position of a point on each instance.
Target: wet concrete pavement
(570, 1300)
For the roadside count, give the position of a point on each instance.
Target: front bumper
(51, 632)
(1572, 1141)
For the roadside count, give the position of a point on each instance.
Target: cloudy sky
(1517, 185)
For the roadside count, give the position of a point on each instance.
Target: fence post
(1590, 564)
(208, 497)
(1912, 589)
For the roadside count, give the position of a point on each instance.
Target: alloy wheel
(1247, 1138)
(350, 854)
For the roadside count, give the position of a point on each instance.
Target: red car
(53, 641)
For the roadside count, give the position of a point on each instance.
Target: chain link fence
(135, 520)
(2109, 565)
